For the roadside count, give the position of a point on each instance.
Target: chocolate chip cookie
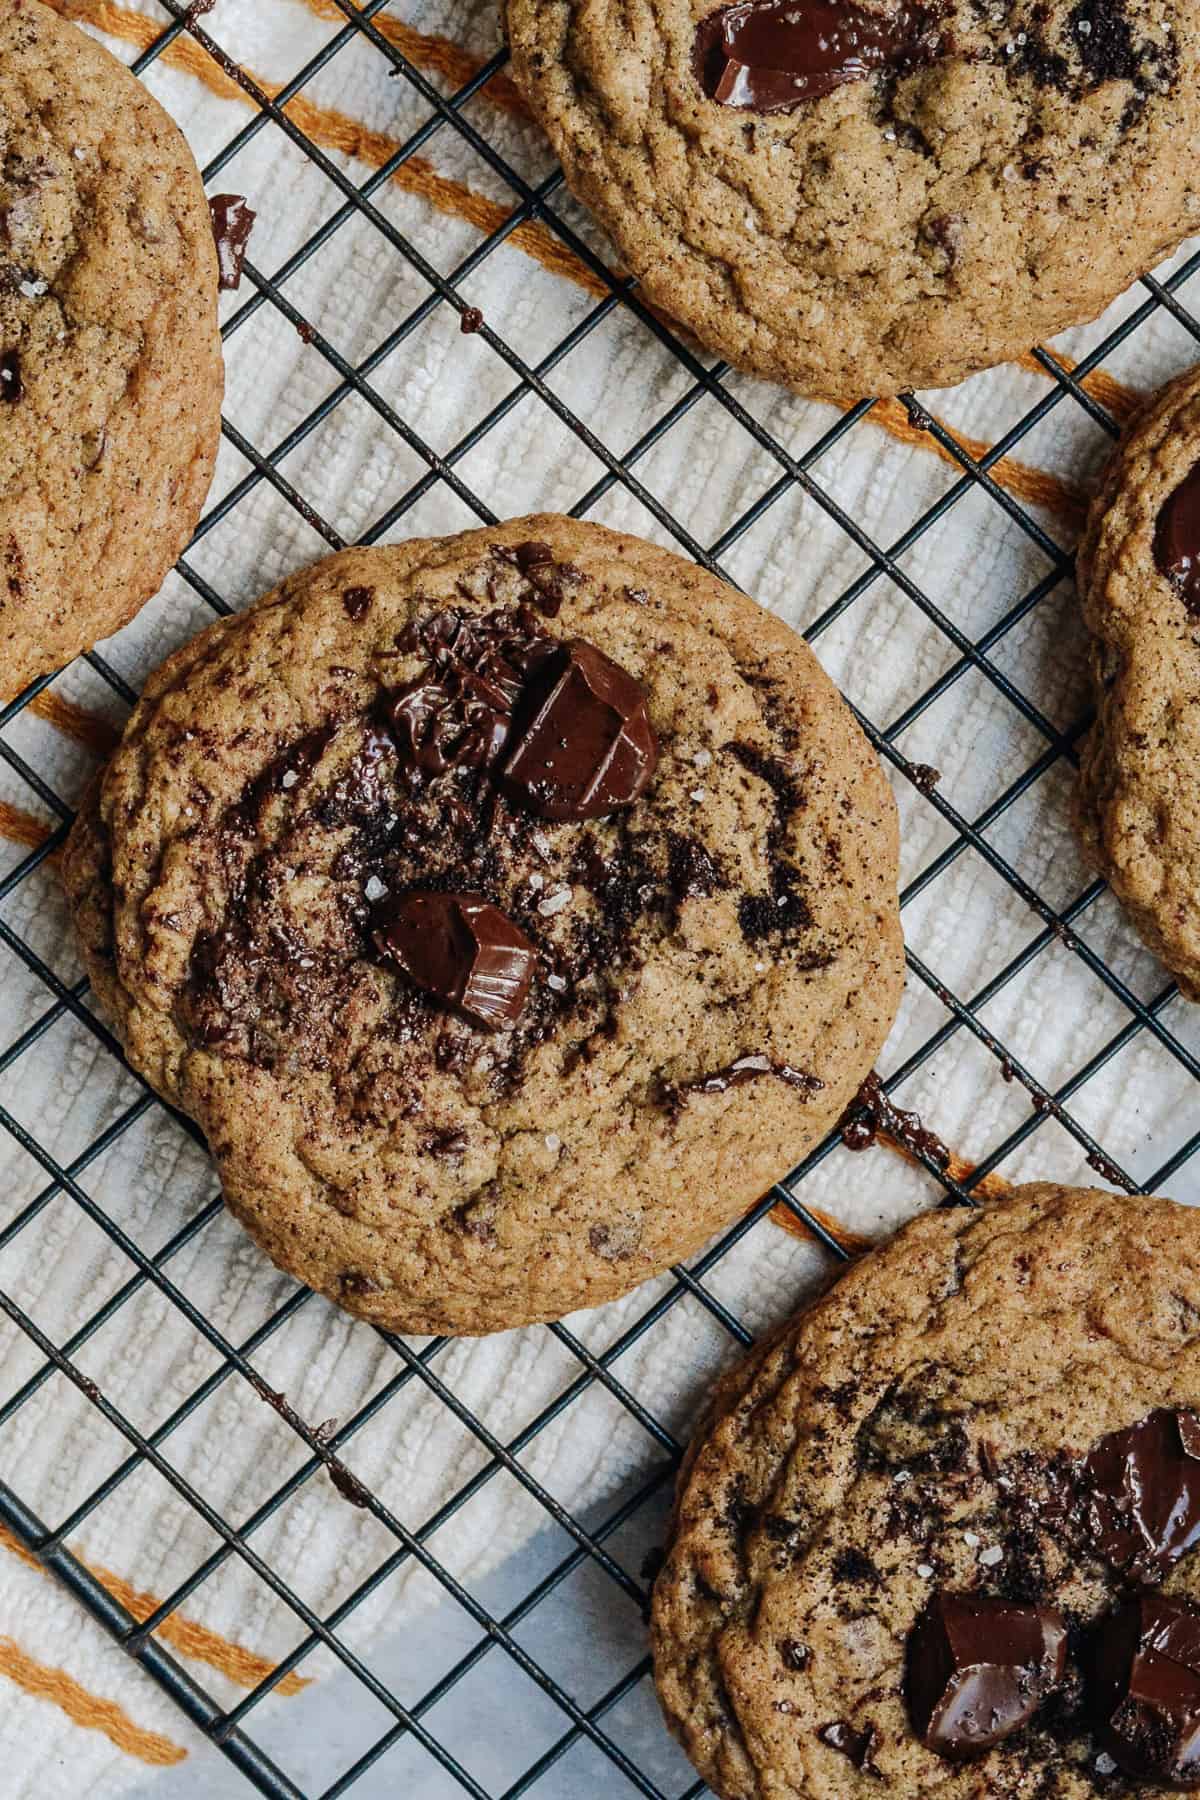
(859, 196)
(110, 362)
(1138, 801)
(510, 911)
(940, 1536)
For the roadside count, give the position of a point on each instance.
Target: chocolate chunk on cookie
(509, 910)
(110, 362)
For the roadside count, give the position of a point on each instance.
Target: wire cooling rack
(1139, 1015)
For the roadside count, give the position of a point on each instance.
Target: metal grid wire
(233, 1729)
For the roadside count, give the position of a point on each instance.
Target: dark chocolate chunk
(532, 555)
(850, 1742)
(1177, 540)
(357, 602)
(1146, 1691)
(978, 1669)
(1142, 1494)
(232, 223)
(461, 949)
(767, 56)
(583, 745)
(11, 385)
(458, 715)
(469, 321)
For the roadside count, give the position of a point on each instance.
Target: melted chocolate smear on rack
(1177, 540)
(769, 56)
(347, 1485)
(978, 1669)
(232, 223)
(872, 1113)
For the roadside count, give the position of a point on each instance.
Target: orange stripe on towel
(245, 1667)
(85, 1708)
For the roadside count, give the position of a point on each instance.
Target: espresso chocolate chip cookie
(940, 1536)
(510, 911)
(110, 362)
(859, 196)
(1138, 803)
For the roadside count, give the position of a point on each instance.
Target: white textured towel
(75, 1716)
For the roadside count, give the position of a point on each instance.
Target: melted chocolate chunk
(11, 385)
(978, 1669)
(1142, 1489)
(470, 320)
(584, 745)
(458, 716)
(1177, 540)
(232, 223)
(462, 950)
(768, 56)
(1146, 1691)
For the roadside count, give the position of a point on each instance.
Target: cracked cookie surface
(902, 230)
(110, 363)
(924, 1427)
(1138, 799)
(423, 1171)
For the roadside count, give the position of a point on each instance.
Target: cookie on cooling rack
(110, 361)
(510, 910)
(1138, 801)
(940, 1535)
(857, 198)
